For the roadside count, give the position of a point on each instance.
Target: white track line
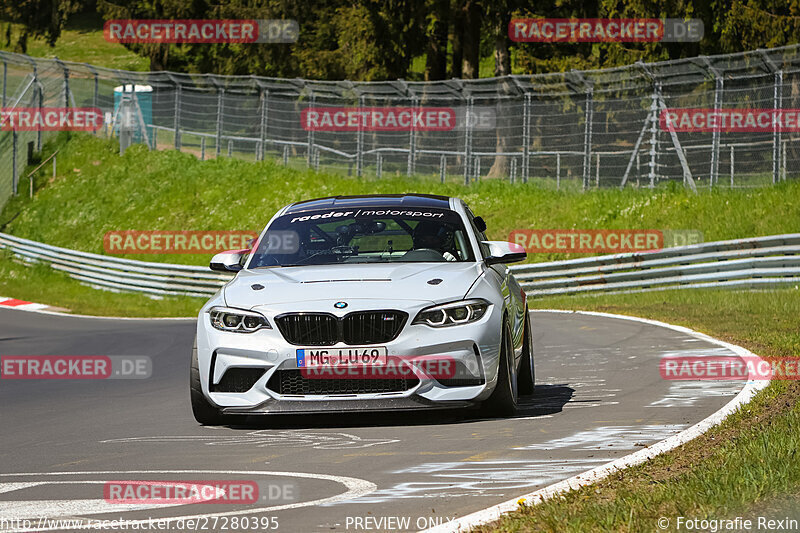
(493, 513)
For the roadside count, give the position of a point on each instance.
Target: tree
(44, 18)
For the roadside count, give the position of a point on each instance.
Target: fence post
(66, 83)
(360, 141)
(177, 118)
(96, 92)
(39, 102)
(558, 170)
(285, 155)
(468, 142)
(597, 172)
(14, 175)
(777, 103)
(526, 136)
(732, 147)
(379, 165)
(264, 117)
(783, 160)
(230, 147)
(442, 168)
(203, 148)
(412, 141)
(5, 80)
(587, 136)
(513, 171)
(651, 174)
(310, 149)
(220, 103)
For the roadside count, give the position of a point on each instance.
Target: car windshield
(363, 235)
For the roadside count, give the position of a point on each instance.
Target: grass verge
(42, 284)
(737, 468)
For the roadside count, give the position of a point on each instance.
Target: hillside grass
(81, 41)
(96, 191)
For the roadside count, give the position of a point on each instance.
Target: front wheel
(503, 401)
(527, 370)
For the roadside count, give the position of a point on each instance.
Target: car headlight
(239, 320)
(452, 314)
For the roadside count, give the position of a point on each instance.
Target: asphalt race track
(599, 396)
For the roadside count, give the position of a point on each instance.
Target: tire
(503, 401)
(205, 413)
(527, 370)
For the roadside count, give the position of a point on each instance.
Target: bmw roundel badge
(340, 305)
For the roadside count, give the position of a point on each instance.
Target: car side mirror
(480, 224)
(230, 261)
(504, 252)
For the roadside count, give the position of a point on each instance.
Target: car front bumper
(473, 347)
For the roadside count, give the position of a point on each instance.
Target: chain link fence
(580, 129)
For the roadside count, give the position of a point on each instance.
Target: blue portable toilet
(144, 97)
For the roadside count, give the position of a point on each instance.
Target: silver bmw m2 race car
(365, 303)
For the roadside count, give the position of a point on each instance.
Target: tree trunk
(505, 109)
(471, 40)
(458, 42)
(436, 53)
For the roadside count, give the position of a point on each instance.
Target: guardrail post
(202, 148)
(526, 136)
(220, 104)
(230, 147)
(443, 168)
(732, 147)
(360, 141)
(176, 126)
(285, 155)
(379, 165)
(412, 140)
(468, 142)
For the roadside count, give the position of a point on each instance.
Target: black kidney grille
(309, 329)
(293, 382)
(372, 327)
(357, 328)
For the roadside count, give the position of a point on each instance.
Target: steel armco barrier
(739, 263)
(736, 263)
(120, 274)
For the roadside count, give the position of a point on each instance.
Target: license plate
(352, 356)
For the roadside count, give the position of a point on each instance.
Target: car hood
(406, 281)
